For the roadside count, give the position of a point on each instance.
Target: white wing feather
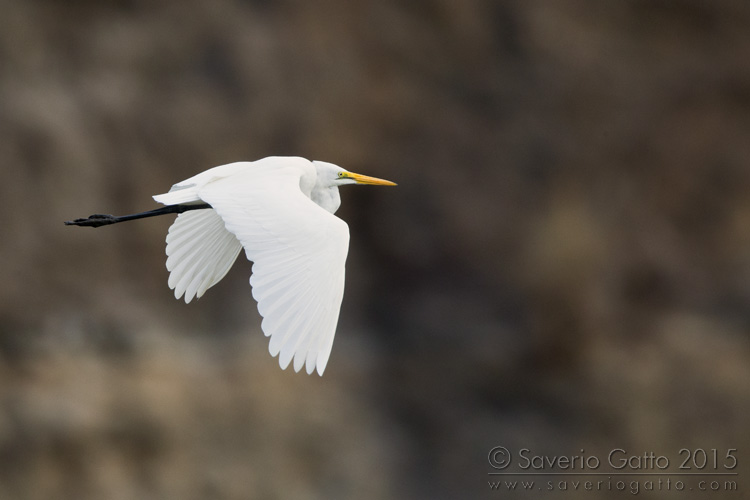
(200, 252)
(298, 251)
(187, 190)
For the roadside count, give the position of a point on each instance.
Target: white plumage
(280, 210)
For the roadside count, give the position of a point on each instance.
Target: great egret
(280, 209)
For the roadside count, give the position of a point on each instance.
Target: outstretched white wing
(298, 251)
(200, 251)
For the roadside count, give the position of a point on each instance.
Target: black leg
(97, 220)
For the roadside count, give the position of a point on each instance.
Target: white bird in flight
(280, 210)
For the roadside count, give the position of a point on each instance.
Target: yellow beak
(366, 179)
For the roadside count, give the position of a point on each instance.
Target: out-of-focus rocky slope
(565, 263)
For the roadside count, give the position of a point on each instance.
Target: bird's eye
(341, 174)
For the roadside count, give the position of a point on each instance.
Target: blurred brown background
(564, 266)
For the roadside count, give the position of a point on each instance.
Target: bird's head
(334, 176)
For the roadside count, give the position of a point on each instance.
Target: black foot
(95, 220)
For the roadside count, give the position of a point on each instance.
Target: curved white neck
(328, 198)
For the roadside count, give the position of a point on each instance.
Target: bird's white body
(280, 210)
